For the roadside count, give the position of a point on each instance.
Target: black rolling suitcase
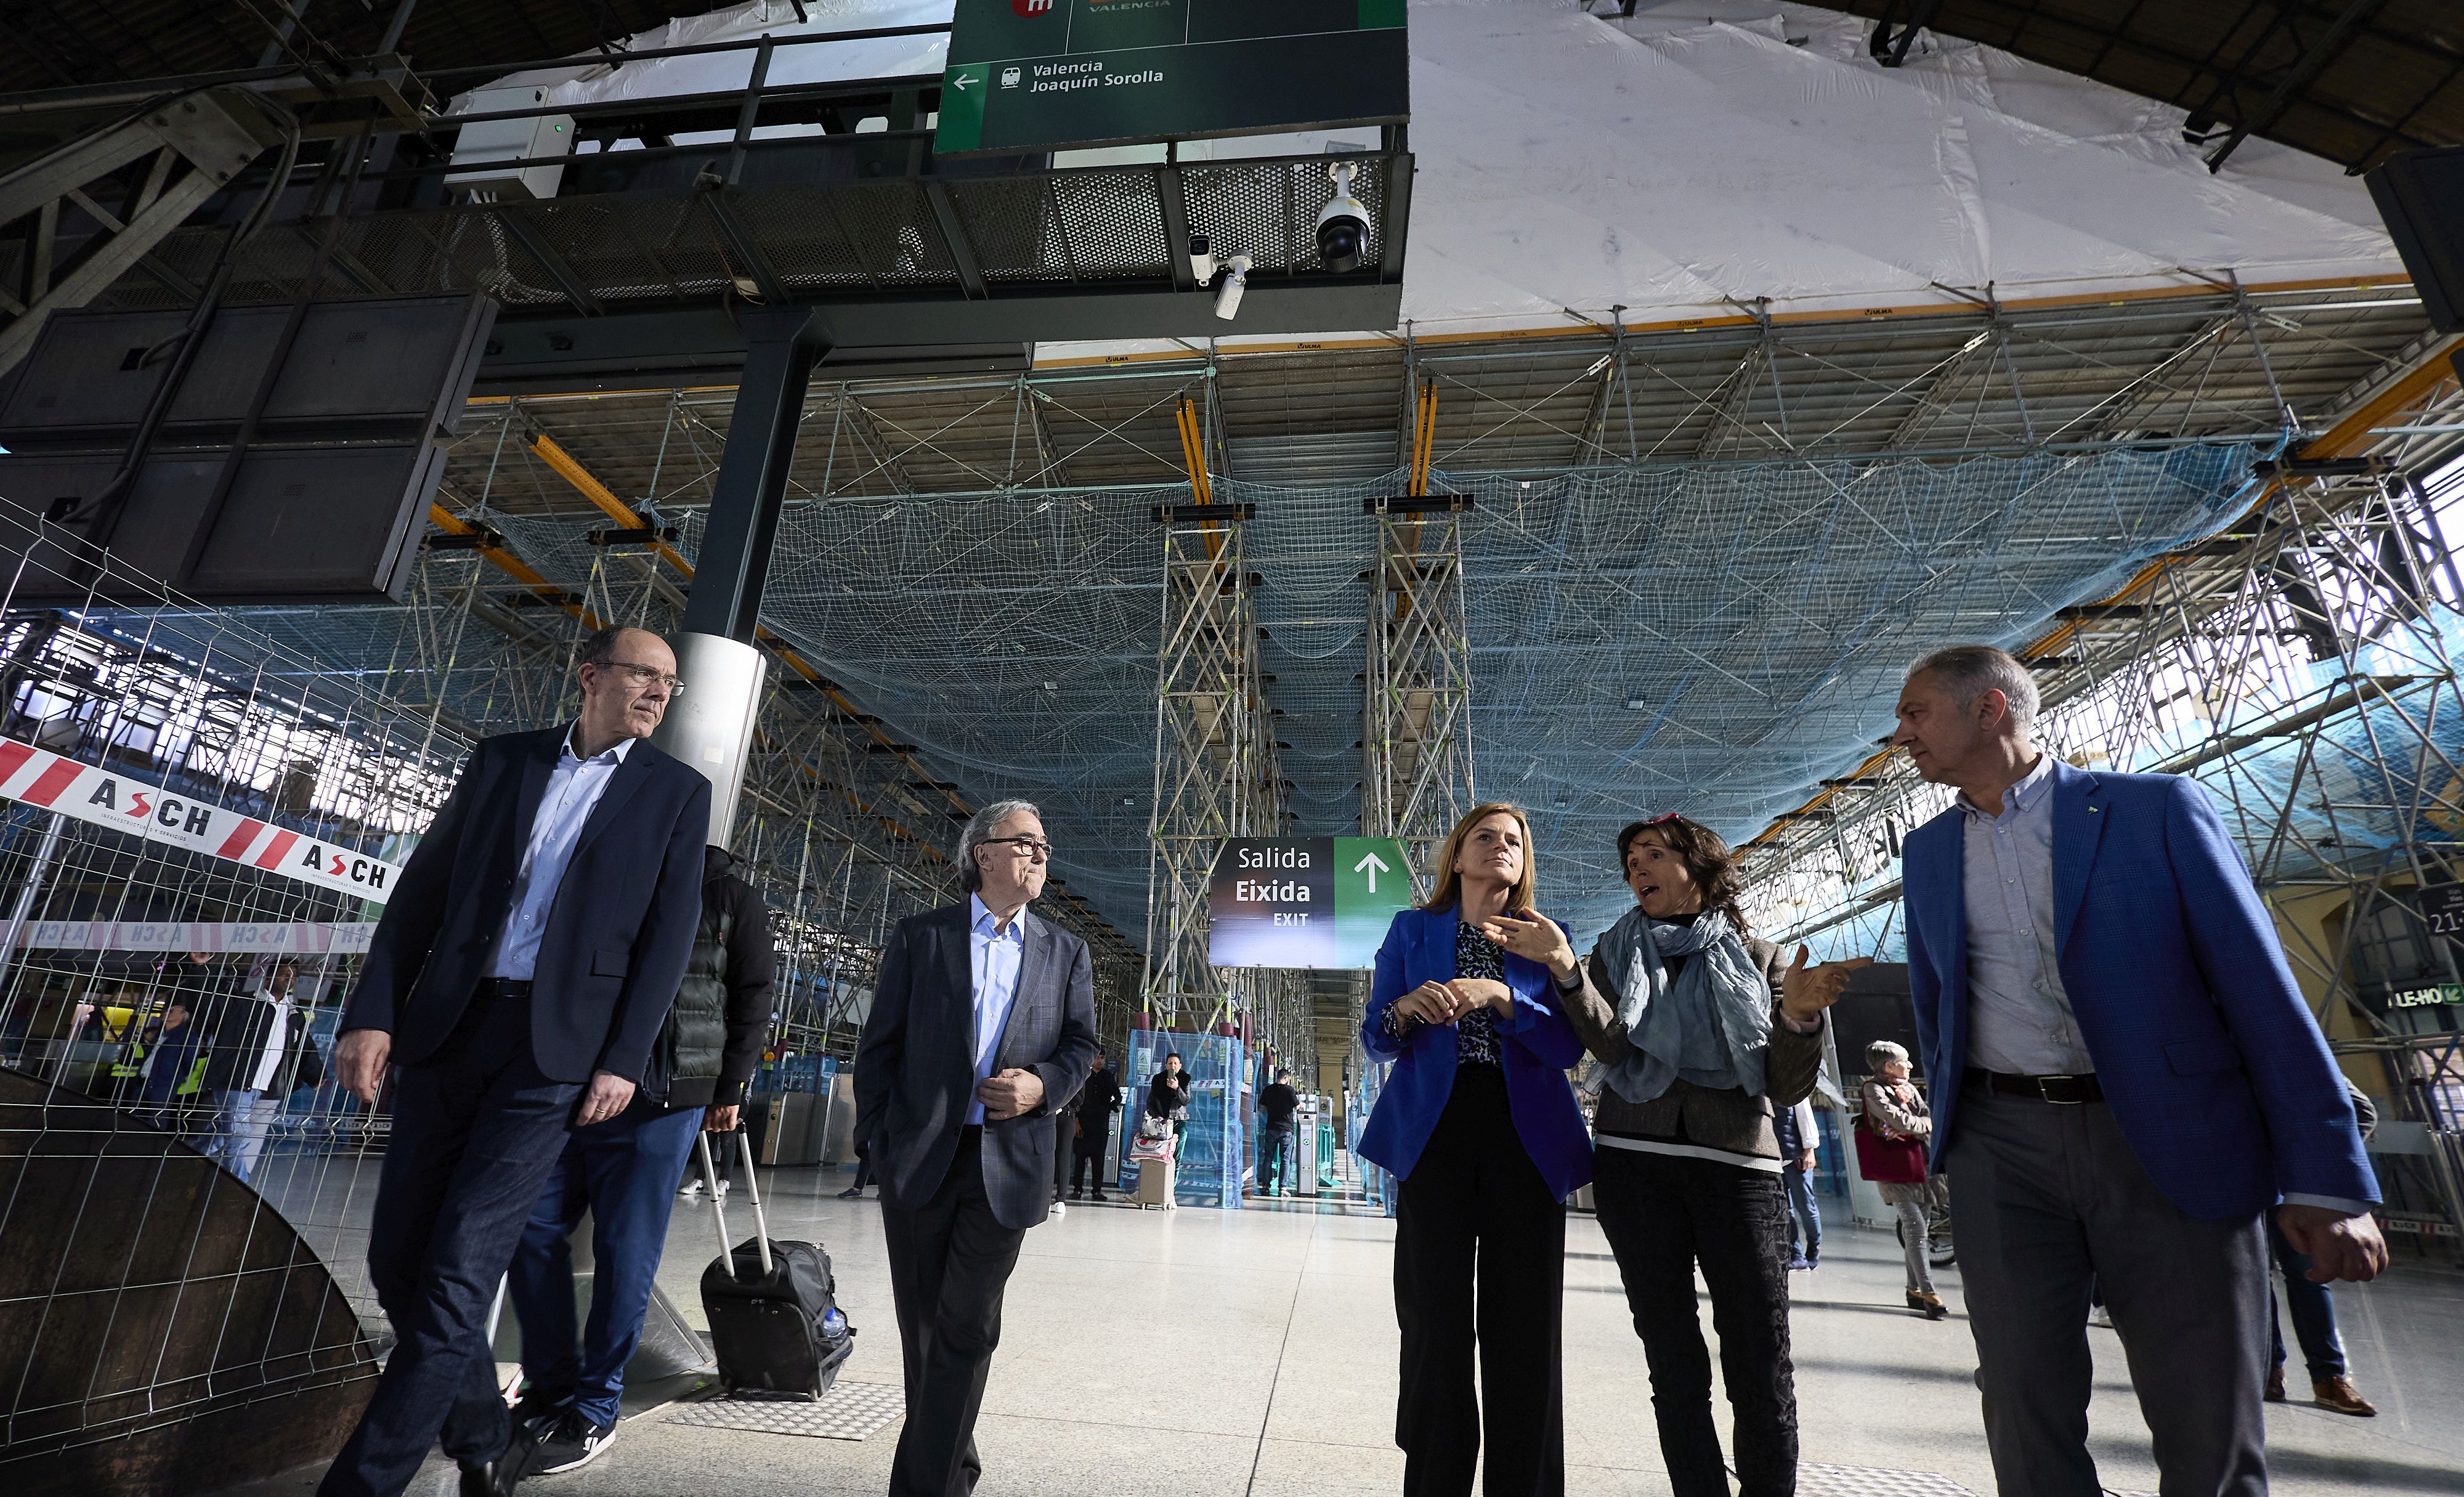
(774, 1320)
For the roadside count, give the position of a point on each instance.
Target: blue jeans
(1274, 1160)
(475, 1128)
(624, 1172)
(2314, 1312)
(1804, 1217)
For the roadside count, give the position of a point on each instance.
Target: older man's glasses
(1028, 846)
(644, 675)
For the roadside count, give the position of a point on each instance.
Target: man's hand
(361, 1058)
(1010, 1093)
(1536, 938)
(2340, 1246)
(721, 1119)
(1804, 992)
(605, 1096)
(1805, 1162)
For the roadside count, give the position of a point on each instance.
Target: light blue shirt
(2019, 1019)
(994, 956)
(573, 789)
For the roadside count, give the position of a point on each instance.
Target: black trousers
(1089, 1153)
(476, 1128)
(1480, 1261)
(1064, 1134)
(1664, 1215)
(950, 1262)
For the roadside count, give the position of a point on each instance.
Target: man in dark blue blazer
(2124, 1078)
(983, 1025)
(524, 964)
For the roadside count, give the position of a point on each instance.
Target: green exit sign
(1050, 74)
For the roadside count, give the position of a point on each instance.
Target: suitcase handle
(753, 1192)
(718, 1206)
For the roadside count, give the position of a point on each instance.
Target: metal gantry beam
(1415, 738)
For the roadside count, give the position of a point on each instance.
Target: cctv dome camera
(1343, 225)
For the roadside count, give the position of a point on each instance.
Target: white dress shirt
(994, 956)
(573, 789)
(269, 1060)
(2019, 1019)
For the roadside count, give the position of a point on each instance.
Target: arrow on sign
(1372, 864)
(961, 81)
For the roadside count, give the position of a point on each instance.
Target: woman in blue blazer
(1479, 1123)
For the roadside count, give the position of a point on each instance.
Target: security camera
(1201, 257)
(1236, 283)
(1343, 225)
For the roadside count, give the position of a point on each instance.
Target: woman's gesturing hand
(1805, 992)
(1431, 1002)
(1535, 937)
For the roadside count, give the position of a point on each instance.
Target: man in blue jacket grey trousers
(2124, 1080)
(524, 964)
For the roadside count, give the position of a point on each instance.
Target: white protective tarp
(1711, 152)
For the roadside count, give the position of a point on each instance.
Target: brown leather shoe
(2276, 1383)
(2337, 1394)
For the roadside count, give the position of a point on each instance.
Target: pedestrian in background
(1704, 1032)
(1793, 1129)
(1096, 1105)
(1278, 1102)
(1479, 1126)
(2312, 1305)
(1895, 1109)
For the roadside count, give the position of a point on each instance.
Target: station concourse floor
(1252, 1353)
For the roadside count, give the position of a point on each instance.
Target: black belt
(2070, 1091)
(505, 987)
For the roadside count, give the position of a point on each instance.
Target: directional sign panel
(1304, 901)
(1043, 75)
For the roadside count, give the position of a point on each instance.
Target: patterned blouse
(1476, 955)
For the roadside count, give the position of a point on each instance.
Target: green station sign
(1321, 902)
(1047, 75)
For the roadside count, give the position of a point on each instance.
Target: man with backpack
(624, 1172)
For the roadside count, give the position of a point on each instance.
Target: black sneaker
(573, 1443)
(536, 1411)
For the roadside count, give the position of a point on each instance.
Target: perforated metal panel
(848, 1411)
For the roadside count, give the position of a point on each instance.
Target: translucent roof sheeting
(1762, 613)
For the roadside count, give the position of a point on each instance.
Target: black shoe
(496, 1478)
(573, 1443)
(1074, 1195)
(536, 1411)
(852, 1192)
(1101, 1198)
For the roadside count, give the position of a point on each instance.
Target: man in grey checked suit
(983, 1021)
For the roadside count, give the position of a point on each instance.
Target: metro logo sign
(102, 798)
(1029, 10)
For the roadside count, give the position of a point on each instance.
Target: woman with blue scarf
(1701, 1033)
(1478, 1124)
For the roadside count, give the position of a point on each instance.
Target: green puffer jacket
(712, 1039)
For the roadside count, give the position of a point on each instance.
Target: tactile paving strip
(848, 1411)
(1866, 1480)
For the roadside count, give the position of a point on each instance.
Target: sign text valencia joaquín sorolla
(1040, 74)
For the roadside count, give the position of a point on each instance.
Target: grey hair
(1970, 671)
(1882, 1052)
(979, 830)
(598, 649)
